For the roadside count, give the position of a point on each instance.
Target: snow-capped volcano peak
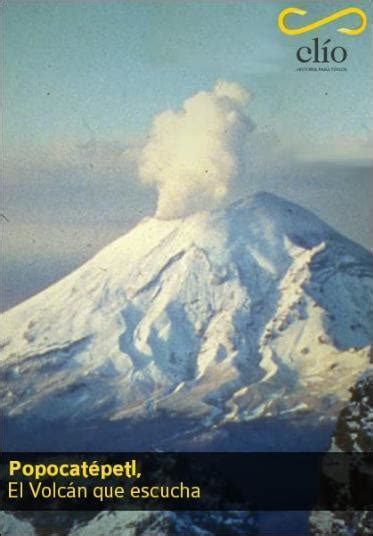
(257, 309)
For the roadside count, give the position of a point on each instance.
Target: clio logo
(321, 51)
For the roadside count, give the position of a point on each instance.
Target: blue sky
(113, 65)
(83, 80)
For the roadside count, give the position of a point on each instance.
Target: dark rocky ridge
(354, 433)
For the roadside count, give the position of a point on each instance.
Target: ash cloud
(193, 155)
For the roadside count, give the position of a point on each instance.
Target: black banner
(186, 481)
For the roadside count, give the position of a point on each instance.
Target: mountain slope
(170, 524)
(260, 309)
(354, 433)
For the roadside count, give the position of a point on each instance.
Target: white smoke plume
(193, 155)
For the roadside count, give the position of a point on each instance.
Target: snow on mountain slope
(258, 309)
(11, 526)
(117, 523)
(169, 524)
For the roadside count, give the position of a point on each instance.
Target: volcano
(257, 311)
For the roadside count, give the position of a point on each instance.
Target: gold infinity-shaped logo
(339, 14)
